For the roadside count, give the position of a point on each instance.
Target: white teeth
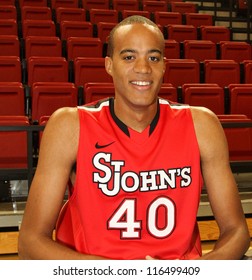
(141, 83)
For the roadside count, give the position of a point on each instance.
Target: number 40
(124, 218)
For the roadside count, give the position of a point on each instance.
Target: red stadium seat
(8, 12)
(153, 6)
(38, 28)
(169, 92)
(48, 97)
(103, 15)
(199, 50)
(222, 72)
(165, 18)
(64, 3)
(183, 7)
(181, 71)
(239, 142)
(103, 30)
(75, 29)
(238, 51)
(36, 13)
(181, 32)
(9, 45)
(40, 3)
(95, 4)
(197, 19)
(8, 27)
(89, 69)
(172, 49)
(84, 47)
(120, 5)
(241, 100)
(47, 69)
(247, 66)
(206, 96)
(70, 14)
(215, 33)
(13, 143)
(42, 46)
(127, 13)
(97, 91)
(12, 99)
(8, 2)
(10, 69)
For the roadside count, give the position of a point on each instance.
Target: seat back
(89, 69)
(12, 99)
(103, 15)
(9, 45)
(172, 49)
(181, 32)
(97, 91)
(70, 14)
(13, 143)
(153, 6)
(8, 12)
(42, 46)
(95, 4)
(36, 13)
(180, 71)
(241, 100)
(121, 5)
(84, 47)
(38, 28)
(40, 3)
(215, 33)
(48, 97)
(103, 30)
(10, 69)
(165, 18)
(127, 13)
(8, 27)
(64, 3)
(200, 50)
(75, 29)
(169, 92)
(222, 72)
(197, 19)
(183, 7)
(209, 97)
(238, 51)
(247, 64)
(239, 140)
(47, 69)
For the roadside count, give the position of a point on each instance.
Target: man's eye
(154, 58)
(128, 57)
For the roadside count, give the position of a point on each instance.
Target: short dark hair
(128, 21)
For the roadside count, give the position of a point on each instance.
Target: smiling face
(137, 64)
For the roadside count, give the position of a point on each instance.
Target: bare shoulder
(62, 131)
(209, 132)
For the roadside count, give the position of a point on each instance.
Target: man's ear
(108, 65)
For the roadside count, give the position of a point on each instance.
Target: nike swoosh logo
(97, 146)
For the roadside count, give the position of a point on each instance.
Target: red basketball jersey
(137, 194)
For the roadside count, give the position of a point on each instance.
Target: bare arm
(57, 155)
(221, 187)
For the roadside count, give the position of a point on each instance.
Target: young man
(141, 162)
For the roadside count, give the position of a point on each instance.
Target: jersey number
(125, 220)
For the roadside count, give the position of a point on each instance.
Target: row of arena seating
(66, 29)
(74, 47)
(19, 140)
(43, 98)
(91, 69)
(164, 5)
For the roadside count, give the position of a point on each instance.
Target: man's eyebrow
(134, 51)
